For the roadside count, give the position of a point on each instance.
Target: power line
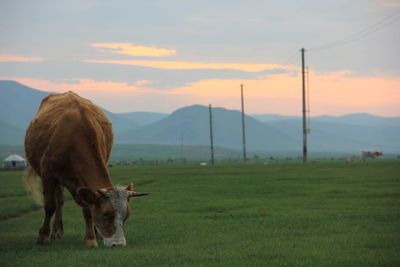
(292, 59)
(361, 34)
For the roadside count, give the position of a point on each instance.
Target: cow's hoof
(57, 234)
(91, 243)
(43, 241)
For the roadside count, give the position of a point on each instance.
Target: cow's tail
(33, 184)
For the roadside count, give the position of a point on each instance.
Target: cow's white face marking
(119, 199)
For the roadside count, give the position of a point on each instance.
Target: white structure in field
(14, 162)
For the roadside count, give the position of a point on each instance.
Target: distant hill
(190, 126)
(360, 119)
(350, 133)
(355, 119)
(272, 117)
(338, 134)
(120, 123)
(18, 105)
(144, 118)
(10, 134)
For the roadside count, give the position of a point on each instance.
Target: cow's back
(65, 127)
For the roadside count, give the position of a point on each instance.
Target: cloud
(113, 96)
(335, 93)
(182, 65)
(134, 50)
(143, 82)
(82, 86)
(15, 58)
(391, 4)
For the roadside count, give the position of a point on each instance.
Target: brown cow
(68, 144)
(370, 154)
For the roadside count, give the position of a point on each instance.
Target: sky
(158, 56)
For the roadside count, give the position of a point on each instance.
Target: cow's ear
(87, 196)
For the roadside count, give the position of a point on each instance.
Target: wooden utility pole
(304, 108)
(211, 136)
(181, 143)
(243, 126)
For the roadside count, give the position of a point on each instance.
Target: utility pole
(211, 136)
(181, 143)
(304, 108)
(243, 126)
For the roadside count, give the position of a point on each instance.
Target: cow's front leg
(90, 237)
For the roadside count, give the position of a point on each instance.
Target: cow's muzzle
(115, 242)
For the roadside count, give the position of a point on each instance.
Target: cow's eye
(107, 215)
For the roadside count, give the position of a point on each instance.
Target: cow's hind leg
(49, 208)
(90, 236)
(58, 229)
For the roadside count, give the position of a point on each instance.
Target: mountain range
(189, 126)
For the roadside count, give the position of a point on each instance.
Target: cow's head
(110, 209)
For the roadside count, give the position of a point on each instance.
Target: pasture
(323, 214)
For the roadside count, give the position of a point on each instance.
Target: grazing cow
(68, 144)
(370, 154)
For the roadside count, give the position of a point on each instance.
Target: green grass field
(323, 214)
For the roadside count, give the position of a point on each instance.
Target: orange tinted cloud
(182, 65)
(335, 93)
(83, 86)
(332, 93)
(134, 50)
(142, 82)
(391, 4)
(15, 58)
(276, 85)
(114, 96)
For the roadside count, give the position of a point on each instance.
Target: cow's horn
(103, 192)
(137, 194)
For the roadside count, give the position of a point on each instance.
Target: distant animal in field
(352, 159)
(370, 154)
(68, 144)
